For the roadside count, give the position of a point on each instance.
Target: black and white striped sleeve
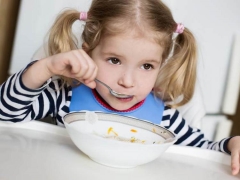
(187, 135)
(19, 103)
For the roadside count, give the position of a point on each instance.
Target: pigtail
(61, 38)
(178, 74)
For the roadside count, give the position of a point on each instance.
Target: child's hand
(74, 64)
(234, 147)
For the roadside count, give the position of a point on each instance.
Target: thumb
(91, 84)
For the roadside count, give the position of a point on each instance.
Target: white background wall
(214, 23)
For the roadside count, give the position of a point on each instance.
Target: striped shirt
(19, 103)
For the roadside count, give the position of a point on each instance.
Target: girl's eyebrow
(152, 61)
(112, 54)
(145, 61)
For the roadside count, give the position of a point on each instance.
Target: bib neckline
(101, 101)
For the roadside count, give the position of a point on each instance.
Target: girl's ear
(85, 47)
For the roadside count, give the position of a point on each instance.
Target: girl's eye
(114, 61)
(147, 66)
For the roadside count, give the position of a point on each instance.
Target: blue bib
(83, 99)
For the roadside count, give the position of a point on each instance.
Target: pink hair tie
(180, 28)
(83, 16)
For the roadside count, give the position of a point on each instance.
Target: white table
(41, 151)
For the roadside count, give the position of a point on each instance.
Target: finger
(91, 61)
(91, 72)
(84, 54)
(91, 81)
(93, 76)
(80, 66)
(91, 84)
(78, 62)
(91, 67)
(235, 162)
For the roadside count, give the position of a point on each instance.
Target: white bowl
(118, 141)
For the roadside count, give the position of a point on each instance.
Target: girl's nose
(126, 80)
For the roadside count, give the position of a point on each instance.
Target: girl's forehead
(132, 36)
(135, 31)
(131, 45)
(140, 36)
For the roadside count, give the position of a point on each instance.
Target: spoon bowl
(114, 93)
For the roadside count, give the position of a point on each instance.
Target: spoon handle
(103, 84)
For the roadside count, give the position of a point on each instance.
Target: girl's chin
(123, 104)
(122, 107)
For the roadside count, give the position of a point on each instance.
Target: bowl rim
(147, 125)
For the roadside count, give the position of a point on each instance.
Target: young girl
(131, 46)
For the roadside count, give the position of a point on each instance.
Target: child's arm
(30, 94)
(19, 103)
(189, 136)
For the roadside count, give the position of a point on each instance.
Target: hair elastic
(180, 28)
(83, 16)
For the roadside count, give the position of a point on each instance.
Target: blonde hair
(177, 75)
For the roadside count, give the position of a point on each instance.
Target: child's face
(129, 65)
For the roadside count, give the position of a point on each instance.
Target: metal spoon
(114, 93)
